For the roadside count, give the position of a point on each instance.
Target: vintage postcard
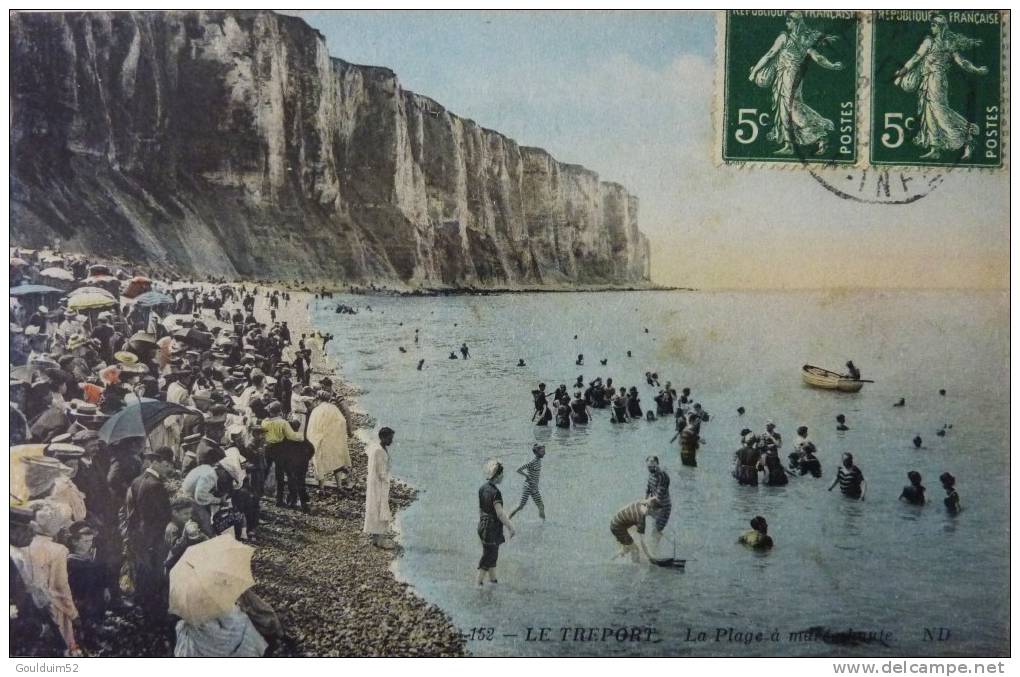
(511, 334)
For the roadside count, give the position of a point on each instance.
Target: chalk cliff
(230, 142)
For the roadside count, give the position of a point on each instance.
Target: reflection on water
(876, 564)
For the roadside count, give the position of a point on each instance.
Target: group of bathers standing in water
(757, 456)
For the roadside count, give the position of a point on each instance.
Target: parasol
(91, 290)
(154, 298)
(210, 576)
(136, 420)
(19, 489)
(57, 273)
(90, 301)
(194, 338)
(138, 286)
(34, 289)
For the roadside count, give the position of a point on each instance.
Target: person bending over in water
(758, 537)
(658, 487)
(952, 499)
(633, 515)
(850, 479)
(580, 361)
(914, 492)
(531, 471)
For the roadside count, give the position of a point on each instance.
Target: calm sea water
(877, 565)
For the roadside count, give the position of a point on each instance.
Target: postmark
(880, 185)
(936, 88)
(790, 87)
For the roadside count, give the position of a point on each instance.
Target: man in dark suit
(147, 512)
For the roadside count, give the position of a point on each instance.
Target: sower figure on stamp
(940, 128)
(782, 70)
(530, 472)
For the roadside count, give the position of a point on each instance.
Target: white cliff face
(230, 142)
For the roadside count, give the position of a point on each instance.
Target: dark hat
(161, 454)
(81, 529)
(947, 479)
(21, 516)
(217, 414)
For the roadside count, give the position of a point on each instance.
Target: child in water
(758, 537)
(530, 472)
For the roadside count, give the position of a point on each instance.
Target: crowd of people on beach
(756, 462)
(148, 422)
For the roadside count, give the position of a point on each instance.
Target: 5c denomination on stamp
(936, 88)
(790, 86)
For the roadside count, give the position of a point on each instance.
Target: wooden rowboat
(816, 377)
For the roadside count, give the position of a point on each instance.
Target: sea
(845, 578)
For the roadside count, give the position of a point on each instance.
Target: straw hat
(125, 357)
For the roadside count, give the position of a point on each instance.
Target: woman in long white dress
(782, 70)
(939, 128)
(327, 431)
(377, 490)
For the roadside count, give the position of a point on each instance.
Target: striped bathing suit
(531, 484)
(850, 481)
(625, 519)
(658, 486)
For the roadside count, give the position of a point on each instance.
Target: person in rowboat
(852, 372)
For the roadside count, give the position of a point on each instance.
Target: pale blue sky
(629, 95)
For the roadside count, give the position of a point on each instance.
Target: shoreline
(392, 618)
(335, 594)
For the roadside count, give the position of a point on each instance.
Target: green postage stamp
(862, 88)
(936, 88)
(790, 86)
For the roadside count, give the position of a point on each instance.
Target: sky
(629, 95)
